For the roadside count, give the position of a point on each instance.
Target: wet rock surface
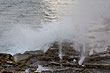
(50, 62)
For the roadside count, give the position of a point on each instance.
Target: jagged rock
(31, 59)
(5, 57)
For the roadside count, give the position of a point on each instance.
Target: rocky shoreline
(50, 62)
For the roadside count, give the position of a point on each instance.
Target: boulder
(19, 57)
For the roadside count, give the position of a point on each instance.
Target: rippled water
(30, 24)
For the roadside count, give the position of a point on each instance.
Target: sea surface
(32, 24)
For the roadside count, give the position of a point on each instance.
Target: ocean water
(33, 24)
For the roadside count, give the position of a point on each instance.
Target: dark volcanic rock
(37, 52)
(5, 57)
(19, 63)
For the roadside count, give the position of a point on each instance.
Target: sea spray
(27, 71)
(60, 50)
(82, 58)
(21, 22)
(87, 16)
(23, 38)
(82, 54)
